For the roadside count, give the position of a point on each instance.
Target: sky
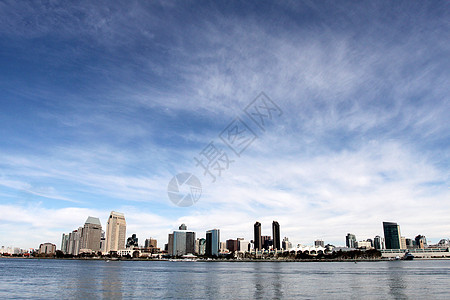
(102, 103)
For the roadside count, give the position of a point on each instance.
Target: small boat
(408, 256)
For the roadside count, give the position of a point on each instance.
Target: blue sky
(101, 104)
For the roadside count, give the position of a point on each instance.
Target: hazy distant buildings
(151, 243)
(212, 242)
(257, 236)
(392, 236)
(286, 244)
(350, 240)
(319, 243)
(116, 229)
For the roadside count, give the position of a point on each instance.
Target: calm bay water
(33, 278)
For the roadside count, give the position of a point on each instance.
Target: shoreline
(220, 260)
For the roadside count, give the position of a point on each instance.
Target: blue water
(67, 279)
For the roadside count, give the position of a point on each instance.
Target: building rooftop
(93, 220)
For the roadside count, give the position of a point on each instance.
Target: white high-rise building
(116, 230)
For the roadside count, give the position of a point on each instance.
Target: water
(62, 279)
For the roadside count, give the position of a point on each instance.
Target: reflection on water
(397, 284)
(31, 278)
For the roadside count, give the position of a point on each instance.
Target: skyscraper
(392, 236)
(181, 242)
(212, 242)
(350, 240)
(257, 236)
(91, 234)
(116, 230)
(276, 235)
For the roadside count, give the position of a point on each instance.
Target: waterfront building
(232, 245)
(363, 245)
(421, 241)
(378, 242)
(64, 242)
(267, 242)
(151, 243)
(116, 229)
(286, 244)
(276, 235)
(243, 245)
(212, 242)
(409, 243)
(103, 242)
(91, 235)
(181, 242)
(257, 236)
(350, 240)
(47, 248)
(132, 241)
(319, 243)
(392, 236)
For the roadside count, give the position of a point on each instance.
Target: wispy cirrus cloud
(113, 100)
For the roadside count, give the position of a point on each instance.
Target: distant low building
(319, 243)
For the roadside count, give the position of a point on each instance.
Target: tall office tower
(378, 242)
(151, 243)
(421, 241)
(319, 243)
(257, 236)
(350, 240)
(181, 242)
(116, 230)
(64, 243)
(170, 244)
(286, 244)
(392, 236)
(276, 235)
(91, 234)
(212, 242)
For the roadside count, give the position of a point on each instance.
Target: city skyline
(102, 105)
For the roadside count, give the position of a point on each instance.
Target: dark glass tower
(257, 236)
(392, 235)
(276, 235)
